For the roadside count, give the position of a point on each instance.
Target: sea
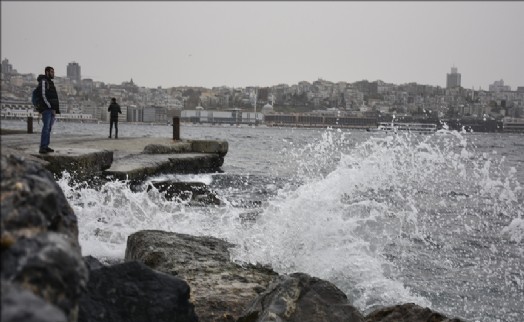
(432, 219)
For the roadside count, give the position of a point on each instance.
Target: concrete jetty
(126, 158)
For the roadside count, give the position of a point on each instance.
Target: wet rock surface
(301, 298)
(408, 312)
(80, 163)
(140, 166)
(197, 193)
(133, 292)
(19, 304)
(39, 238)
(220, 288)
(32, 201)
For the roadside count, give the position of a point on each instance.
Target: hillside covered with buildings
(362, 103)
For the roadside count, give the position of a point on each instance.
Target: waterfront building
(232, 116)
(135, 114)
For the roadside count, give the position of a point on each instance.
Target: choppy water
(432, 219)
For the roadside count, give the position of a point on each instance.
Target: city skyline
(73, 73)
(236, 44)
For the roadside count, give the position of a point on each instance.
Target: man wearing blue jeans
(51, 107)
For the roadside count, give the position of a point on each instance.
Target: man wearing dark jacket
(51, 107)
(114, 109)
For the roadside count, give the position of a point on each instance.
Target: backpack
(36, 99)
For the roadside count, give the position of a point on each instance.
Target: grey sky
(268, 43)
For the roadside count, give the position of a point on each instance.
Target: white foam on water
(351, 213)
(515, 230)
(382, 194)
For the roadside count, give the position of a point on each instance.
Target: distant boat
(410, 127)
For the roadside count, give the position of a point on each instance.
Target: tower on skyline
(73, 72)
(6, 67)
(453, 79)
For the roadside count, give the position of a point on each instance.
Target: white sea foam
(362, 214)
(515, 230)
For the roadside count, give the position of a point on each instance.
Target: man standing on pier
(114, 109)
(51, 107)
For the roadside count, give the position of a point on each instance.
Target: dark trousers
(47, 119)
(115, 122)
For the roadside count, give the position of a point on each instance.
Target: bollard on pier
(30, 124)
(176, 128)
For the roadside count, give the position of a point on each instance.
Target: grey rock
(220, 288)
(92, 263)
(301, 298)
(132, 292)
(197, 192)
(408, 312)
(50, 265)
(32, 202)
(19, 305)
(39, 236)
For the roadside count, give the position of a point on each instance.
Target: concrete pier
(133, 158)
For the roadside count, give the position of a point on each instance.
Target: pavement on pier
(28, 144)
(124, 156)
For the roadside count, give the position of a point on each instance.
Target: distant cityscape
(362, 102)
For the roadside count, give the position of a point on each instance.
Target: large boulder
(39, 237)
(220, 288)
(50, 266)
(132, 292)
(32, 202)
(408, 312)
(18, 305)
(301, 298)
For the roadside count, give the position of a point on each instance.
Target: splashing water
(388, 219)
(394, 206)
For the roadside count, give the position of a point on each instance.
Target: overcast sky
(261, 43)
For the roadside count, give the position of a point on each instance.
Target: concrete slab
(126, 158)
(141, 166)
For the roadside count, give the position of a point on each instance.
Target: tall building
(498, 86)
(453, 79)
(6, 67)
(73, 72)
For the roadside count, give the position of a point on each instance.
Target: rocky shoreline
(164, 277)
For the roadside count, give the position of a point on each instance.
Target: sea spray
(108, 214)
(360, 224)
(388, 219)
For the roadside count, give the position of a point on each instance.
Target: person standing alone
(114, 109)
(51, 107)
